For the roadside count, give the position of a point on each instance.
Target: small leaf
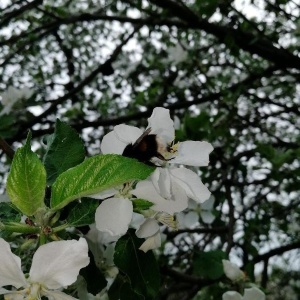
(209, 264)
(65, 150)
(141, 204)
(83, 213)
(96, 174)
(141, 268)
(27, 180)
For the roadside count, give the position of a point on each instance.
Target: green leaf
(141, 204)
(27, 180)
(94, 175)
(266, 150)
(8, 126)
(121, 289)
(141, 268)
(8, 213)
(65, 150)
(209, 264)
(127, 293)
(83, 213)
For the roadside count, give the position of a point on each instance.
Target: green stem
(21, 228)
(42, 239)
(60, 228)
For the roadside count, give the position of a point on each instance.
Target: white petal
(193, 205)
(147, 229)
(231, 295)
(137, 220)
(191, 183)
(193, 153)
(180, 196)
(10, 267)
(162, 182)
(104, 194)
(207, 217)
(254, 293)
(97, 237)
(13, 295)
(161, 124)
(151, 243)
(177, 124)
(127, 134)
(208, 204)
(178, 202)
(114, 215)
(111, 144)
(191, 219)
(57, 295)
(232, 271)
(57, 264)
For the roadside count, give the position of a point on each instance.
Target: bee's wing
(146, 132)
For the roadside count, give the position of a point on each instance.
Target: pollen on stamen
(174, 148)
(168, 220)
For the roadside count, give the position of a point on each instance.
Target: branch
(213, 230)
(6, 148)
(246, 41)
(13, 14)
(47, 28)
(276, 251)
(101, 69)
(140, 115)
(185, 277)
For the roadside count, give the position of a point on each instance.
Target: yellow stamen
(168, 220)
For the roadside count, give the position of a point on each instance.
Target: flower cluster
(169, 187)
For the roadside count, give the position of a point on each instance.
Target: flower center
(167, 219)
(34, 292)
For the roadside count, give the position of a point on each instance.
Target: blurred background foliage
(228, 70)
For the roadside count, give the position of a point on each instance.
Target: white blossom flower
(114, 215)
(191, 217)
(250, 294)
(168, 188)
(173, 184)
(150, 230)
(54, 266)
(232, 271)
(191, 153)
(12, 96)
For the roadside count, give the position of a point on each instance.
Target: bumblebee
(145, 148)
